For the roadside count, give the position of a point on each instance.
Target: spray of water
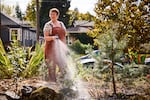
(70, 80)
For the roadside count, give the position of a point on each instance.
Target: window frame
(19, 34)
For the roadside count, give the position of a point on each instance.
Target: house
(14, 29)
(80, 28)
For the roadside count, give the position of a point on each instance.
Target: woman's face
(53, 16)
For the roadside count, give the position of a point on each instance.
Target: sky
(82, 5)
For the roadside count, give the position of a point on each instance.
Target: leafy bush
(78, 47)
(35, 61)
(20, 61)
(6, 68)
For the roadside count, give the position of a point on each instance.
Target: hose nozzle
(57, 37)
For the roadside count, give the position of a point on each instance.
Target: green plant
(35, 61)
(6, 68)
(78, 47)
(111, 48)
(20, 61)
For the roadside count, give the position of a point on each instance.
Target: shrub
(20, 61)
(78, 47)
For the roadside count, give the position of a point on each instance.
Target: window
(15, 34)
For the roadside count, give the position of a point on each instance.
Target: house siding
(26, 34)
(5, 34)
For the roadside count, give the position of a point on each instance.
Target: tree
(31, 13)
(120, 22)
(76, 15)
(73, 16)
(7, 9)
(129, 17)
(18, 12)
(87, 16)
(112, 49)
(46, 5)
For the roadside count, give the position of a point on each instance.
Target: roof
(77, 30)
(81, 27)
(84, 23)
(33, 29)
(11, 21)
(6, 20)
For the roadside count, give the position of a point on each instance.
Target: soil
(98, 89)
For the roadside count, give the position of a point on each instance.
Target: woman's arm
(47, 37)
(47, 31)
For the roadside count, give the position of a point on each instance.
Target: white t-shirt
(49, 25)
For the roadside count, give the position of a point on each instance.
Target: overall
(51, 52)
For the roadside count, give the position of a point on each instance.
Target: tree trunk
(112, 69)
(113, 79)
(37, 21)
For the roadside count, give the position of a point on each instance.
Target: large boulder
(45, 93)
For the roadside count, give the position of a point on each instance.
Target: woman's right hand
(50, 38)
(53, 37)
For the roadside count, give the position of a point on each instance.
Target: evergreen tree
(46, 5)
(18, 12)
(31, 13)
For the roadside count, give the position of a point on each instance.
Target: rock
(11, 95)
(45, 93)
(27, 90)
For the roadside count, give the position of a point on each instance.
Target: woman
(52, 30)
